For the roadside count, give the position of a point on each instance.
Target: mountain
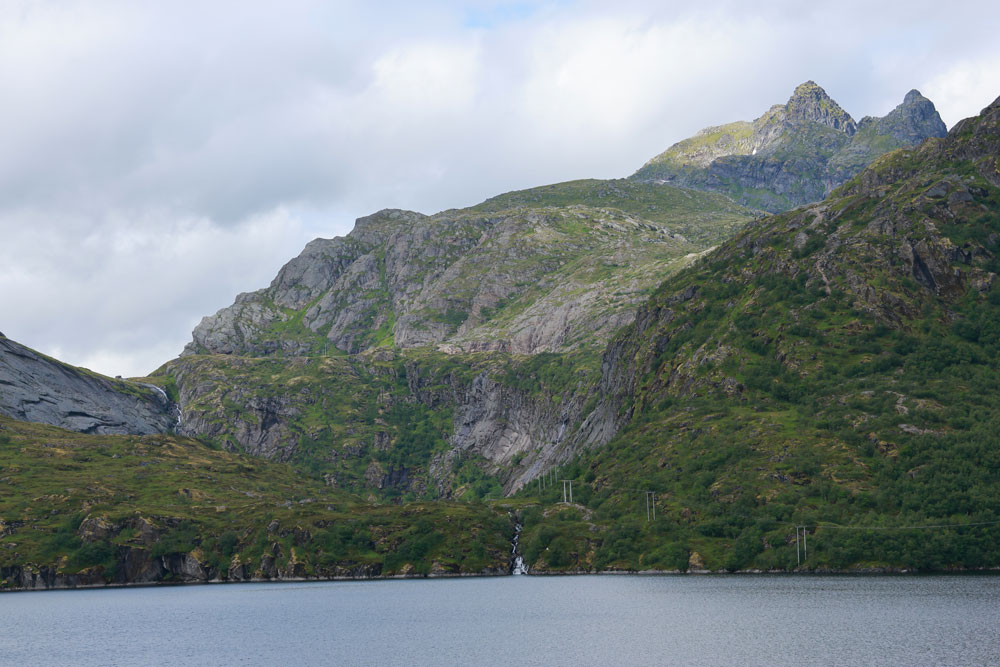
(836, 365)
(795, 153)
(554, 268)
(459, 354)
(407, 357)
(39, 389)
(705, 389)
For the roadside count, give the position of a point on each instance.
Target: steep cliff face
(39, 389)
(427, 424)
(795, 153)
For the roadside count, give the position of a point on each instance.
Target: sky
(158, 158)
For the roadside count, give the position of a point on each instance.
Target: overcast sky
(157, 158)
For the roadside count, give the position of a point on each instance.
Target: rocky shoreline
(47, 580)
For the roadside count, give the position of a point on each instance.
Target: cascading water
(518, 566)
(166, 398)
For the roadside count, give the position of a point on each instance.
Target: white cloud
(121, 295)
(965, 88)
(427, 78)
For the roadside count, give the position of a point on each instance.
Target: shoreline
(864, 572)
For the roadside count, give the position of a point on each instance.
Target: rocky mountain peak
(912, 121)
(810, 103)
(793, 154)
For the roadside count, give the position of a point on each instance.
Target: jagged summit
(810, 103)
(794, 153)
(914, 120)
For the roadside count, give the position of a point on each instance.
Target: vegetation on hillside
(835, 367)
(113, 509)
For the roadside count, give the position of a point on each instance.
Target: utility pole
(650, 505)
(798, 559)
(570, 483)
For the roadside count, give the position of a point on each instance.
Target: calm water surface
(590, 620)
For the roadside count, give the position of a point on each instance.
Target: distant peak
(914, 120)
(807, 87)
(810, 102)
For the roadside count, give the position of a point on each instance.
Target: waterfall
(177, 408)
(158, 389)
(518, 566)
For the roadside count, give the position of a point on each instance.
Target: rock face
(552, 270)
(365, 419)
(35, 388)
(910, 123)
(795, 153)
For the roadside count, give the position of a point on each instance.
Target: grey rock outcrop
(914, 120)
(35, 388)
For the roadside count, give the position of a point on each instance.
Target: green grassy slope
(112, 509)
(703, 218)
(835, 367)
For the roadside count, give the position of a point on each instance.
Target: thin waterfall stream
(518, 566)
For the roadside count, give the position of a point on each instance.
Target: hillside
(37, 388)
(81, 510)
(832, 366)
(829, 371)
(793, 154)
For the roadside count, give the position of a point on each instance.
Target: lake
(572, 620)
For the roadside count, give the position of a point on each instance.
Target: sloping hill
(837, 364)
(37, 388)
(92, 510)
